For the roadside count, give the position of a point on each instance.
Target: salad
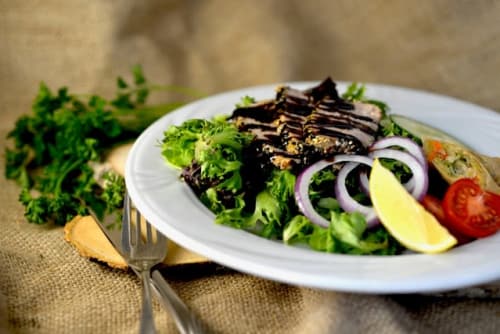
(296, 168)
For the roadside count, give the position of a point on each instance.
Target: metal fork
(142, 254)
(186, 321)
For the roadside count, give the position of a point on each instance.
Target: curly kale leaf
(347, 234)
(210, 154)
(179, 142)
(275, 205)
(246, 101)
(271, 209)
(390, 128)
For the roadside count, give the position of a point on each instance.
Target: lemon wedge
(403, 216)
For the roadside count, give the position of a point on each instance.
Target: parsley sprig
(55, 147)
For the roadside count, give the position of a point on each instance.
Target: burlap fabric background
(449, 47)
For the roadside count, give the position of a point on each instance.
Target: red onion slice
(417, 185)
(420, 179)
(302, 192)
(346, 201)
(409, 145)
(364, 183)
(363, 159)
(406, 143)
(304, 179)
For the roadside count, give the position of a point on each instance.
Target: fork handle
(185, 320)
(147, 325)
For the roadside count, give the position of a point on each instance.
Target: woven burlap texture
(449, 47)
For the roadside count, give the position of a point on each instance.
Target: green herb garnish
(56, 146)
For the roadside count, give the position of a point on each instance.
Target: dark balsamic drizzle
(300, 127)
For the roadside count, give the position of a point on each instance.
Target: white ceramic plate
(171, 207)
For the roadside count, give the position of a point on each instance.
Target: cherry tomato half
(471, 210)
(434, 206)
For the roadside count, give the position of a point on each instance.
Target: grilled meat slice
(327, 89)
(300, 127)
(335, 128)
(259, 119)
(294, 107)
